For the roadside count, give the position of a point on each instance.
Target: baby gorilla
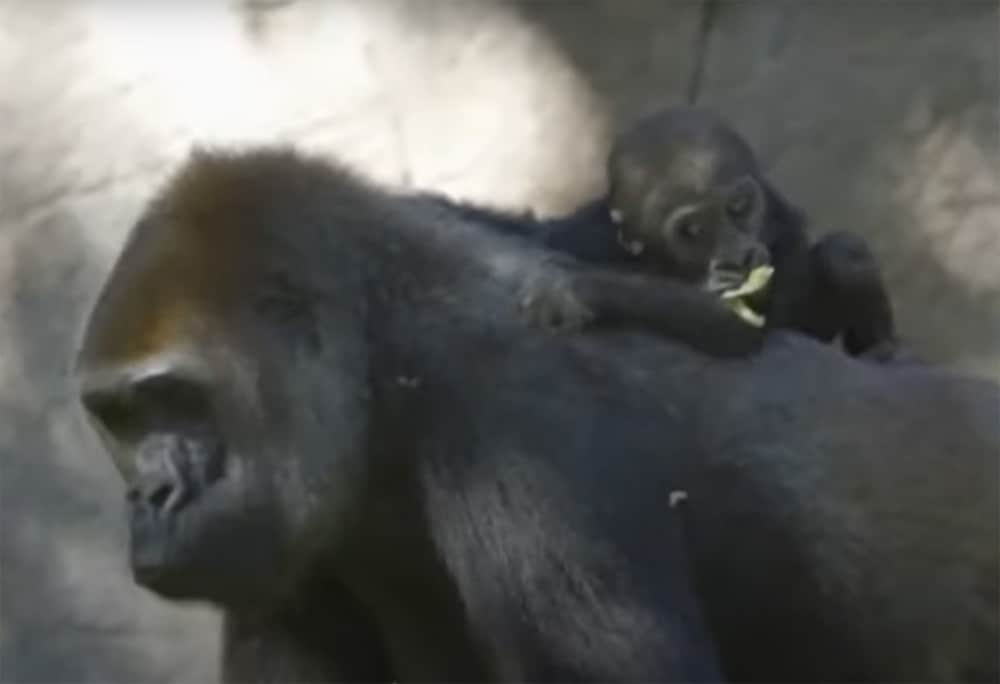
(687, 202)
(690, 202)
(683, 191)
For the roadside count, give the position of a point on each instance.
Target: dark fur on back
(681, 157)
(434, 489)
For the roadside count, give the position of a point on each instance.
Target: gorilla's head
(688, 197)
(225, 368)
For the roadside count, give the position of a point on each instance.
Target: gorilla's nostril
(160, 483)
(160, 496)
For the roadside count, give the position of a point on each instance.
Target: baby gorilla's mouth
(720, 282)
(740, 294)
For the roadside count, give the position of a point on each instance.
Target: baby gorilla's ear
(626, 183)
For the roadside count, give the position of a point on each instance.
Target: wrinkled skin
(334, 424)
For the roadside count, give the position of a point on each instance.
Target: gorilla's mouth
(197, 529)
(177, 475)
(744, 297)
(722, 281)
(161, 430)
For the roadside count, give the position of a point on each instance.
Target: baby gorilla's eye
(687, 227)
(739, 206)
(685, 223)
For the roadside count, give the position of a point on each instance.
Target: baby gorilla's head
(685, 191)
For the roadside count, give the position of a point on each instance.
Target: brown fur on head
(687, 195)
(198, 371)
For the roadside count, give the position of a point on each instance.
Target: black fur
(828, 290)
(413, 484)
(612, 290)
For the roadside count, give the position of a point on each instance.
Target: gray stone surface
(878, 116)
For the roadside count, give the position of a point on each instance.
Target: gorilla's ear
(626, 178)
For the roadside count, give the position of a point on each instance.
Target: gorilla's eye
(739, 206)
(145, 402)
(687, 227)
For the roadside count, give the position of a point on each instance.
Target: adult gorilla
(334, 424)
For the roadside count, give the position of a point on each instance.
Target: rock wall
(881, 117)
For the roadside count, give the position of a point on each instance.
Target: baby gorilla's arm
(848, 276)
(568, 298)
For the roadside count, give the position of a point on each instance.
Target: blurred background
(878, 116)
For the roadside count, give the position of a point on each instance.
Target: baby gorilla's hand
(885, 351)
(549, 300)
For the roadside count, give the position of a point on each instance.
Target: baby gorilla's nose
(756, 255)
(744, 259)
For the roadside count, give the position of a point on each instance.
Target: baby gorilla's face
(709, 236)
